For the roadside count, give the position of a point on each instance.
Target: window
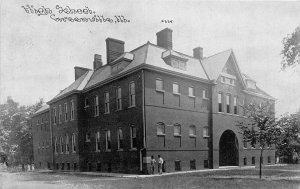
(66, 112)
(177, 165)
(253, 142)
(160, 129)
(205, 163)
(42, 121)
(96, 106)
(68, 166)
(269, 159)
(191, 92)
(72, 110)
(59, 114)
(220, 102)
(132, 94)
(205, 94)
(107, 140)
(67, 144)
(228, 79)
(88, 137)
(245, 160)
(61, 145)
(86, 102)
(133, 137)
(177, 130)
(193, 164)
(235, 110)
(175, 88)
(253, 160)
(245, 144)
(106, 102)
(97, 141)
(62, 166)
(120, 139)
(54, 115)
(227, 103)
(205, 132)
(75, 166)
(73, 143)
(159, 84)
(192, 131)
(56, 145)
(119, 98)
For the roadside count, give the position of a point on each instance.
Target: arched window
(56, 146)
(61, 144)
(73, 143)
(120, 139)
(160, 128)
(97, 141)
(67, 144)
(192, 131)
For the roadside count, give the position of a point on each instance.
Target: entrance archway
(228, 149)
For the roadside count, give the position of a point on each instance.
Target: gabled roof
(149, 54)
(44, 108)
(214, 64)
(77, 85)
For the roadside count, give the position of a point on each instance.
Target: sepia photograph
(149, 94)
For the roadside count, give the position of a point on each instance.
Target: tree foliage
(290, 127)
(291, 49)
(15, 131)
(260, 128)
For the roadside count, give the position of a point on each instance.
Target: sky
(38, 54)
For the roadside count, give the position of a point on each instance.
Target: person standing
(160, 164)
(152, 165)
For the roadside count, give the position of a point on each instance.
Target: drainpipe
(144, 122)
(210, 130)
(51, 135)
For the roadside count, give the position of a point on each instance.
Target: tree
(291, 49)
(260, 128)
(289, 126)
(15, 132)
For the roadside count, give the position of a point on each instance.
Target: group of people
(160, 164)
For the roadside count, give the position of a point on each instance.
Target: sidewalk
(124, 175)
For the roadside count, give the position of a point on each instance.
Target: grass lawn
(273, 177)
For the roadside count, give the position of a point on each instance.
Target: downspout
(211, 146)
(144, 123)
(51, 135)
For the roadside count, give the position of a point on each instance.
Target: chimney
(114, 49)
(164, 38)
(79, 71)
(97, 61)
(198, 53)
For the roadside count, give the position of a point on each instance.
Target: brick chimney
(198, 53)
(79, 71)
(114, 49)
(164, 38)
(97, 61)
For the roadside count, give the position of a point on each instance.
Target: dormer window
(228, 79)
(174, 59)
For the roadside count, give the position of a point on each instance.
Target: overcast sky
(38, 55)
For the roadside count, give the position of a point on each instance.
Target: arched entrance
(228, 149)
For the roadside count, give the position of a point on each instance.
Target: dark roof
(44, 108)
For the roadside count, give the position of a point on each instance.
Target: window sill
(118, 110)
(206, 137)
(161, 134)
(88, 141)
(86, 106)
(106, 113)
(120, 150)
(159, 90)
(177, 135)
(192, 136)
(96, 115)
(192, 96)
(97, 151)
(133, 149)
(107, 150)
(178, 94)
(204, 98)
(132, 106)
